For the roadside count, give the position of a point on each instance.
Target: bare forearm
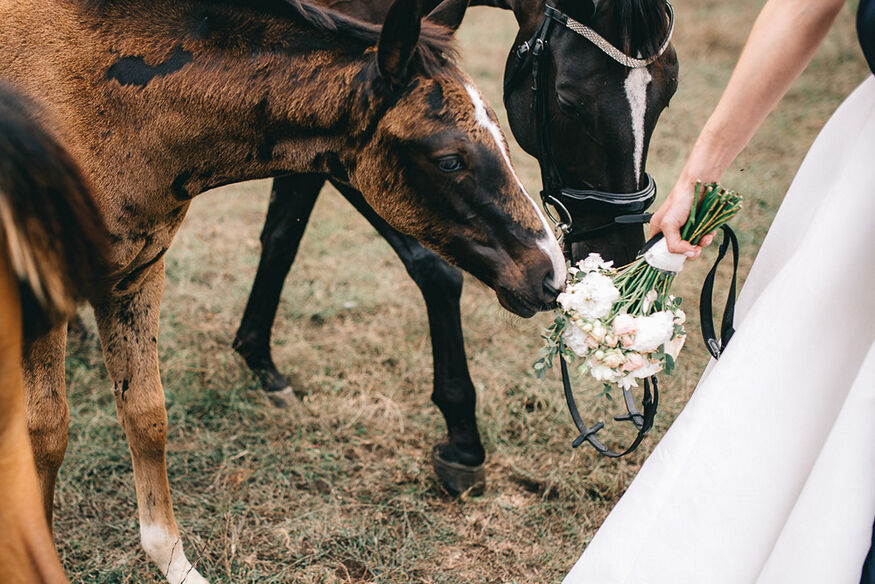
(783, 40)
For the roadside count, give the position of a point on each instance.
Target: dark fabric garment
(866, 30)
(868, 576)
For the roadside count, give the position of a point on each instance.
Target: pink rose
(613, 359)
(624, 324)
(634, 361)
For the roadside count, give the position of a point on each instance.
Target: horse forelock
(642, 25)
(434, 50)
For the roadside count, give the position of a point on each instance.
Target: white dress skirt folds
(768, 474)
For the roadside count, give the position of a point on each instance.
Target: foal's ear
(448, 13)
(398, 40)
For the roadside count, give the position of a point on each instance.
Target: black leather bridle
(625, 208)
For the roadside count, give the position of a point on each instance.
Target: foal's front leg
(128, 323)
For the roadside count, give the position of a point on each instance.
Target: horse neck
(161, 105)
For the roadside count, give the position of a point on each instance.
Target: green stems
(712, 207)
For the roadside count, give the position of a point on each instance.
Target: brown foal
(162, 100)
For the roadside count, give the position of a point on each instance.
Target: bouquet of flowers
(622, 323)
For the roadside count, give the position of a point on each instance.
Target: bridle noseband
(626, 208)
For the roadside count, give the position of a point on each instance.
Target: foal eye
(452, 163)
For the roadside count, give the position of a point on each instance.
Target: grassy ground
(341, 490)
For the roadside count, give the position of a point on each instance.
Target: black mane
(434, 50)
(643, 24)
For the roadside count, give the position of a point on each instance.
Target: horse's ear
(448, 13)
(580, 10)
(398, 40)
(586, 9)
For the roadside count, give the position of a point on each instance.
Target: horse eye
(452, 163)
(568, 107)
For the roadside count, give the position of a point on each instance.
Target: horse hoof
(283, 398)
(458, 478)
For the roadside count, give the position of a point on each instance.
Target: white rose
(575, 339)
(653, 331)
(592, 297)
(594, 263)
(680, 316)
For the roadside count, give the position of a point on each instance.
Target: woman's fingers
(706, 240)
(677, 245)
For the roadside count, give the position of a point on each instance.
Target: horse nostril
(550, 293)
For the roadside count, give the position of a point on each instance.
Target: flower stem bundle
(622, 323)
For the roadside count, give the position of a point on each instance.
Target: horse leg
(128, 327)
(291, 201)
(458, 461)
(27, 552)
(47, 412)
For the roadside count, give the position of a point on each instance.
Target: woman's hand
(673, 214)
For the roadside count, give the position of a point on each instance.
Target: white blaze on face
(636, 93)
(165, 550)
(547, 243)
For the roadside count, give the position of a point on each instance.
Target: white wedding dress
(768, 474)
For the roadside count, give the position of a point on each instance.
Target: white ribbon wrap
(660, 258)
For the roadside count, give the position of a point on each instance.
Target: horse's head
(600, 101)
(436, 165)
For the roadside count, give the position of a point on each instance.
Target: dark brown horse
(51, 245)
(160, 100)
(592, 134)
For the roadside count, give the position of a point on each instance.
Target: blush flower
(634, 361)
(624, 324)
(613, 359)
